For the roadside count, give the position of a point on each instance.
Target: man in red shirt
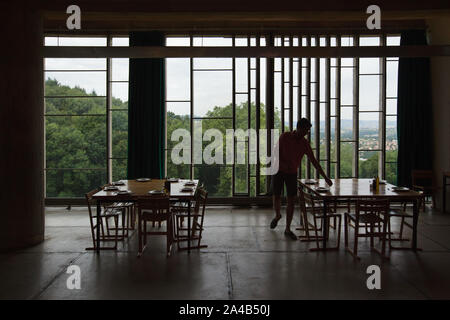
(292, 146)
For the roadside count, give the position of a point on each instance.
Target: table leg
(444, 192)
(139, 234)
(415, 222)
(189, 226)
(99, 212)
(325, 224)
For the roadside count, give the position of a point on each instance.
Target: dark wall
(22, 129)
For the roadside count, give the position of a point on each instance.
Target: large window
(352, 103)
(86, 119)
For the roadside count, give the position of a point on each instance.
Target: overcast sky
(214, 88)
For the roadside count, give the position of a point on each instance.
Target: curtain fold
(414, 114)
(146, 110)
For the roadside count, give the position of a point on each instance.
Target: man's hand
(329, 182)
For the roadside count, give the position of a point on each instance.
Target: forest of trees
(76, 152)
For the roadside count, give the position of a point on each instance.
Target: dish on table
(118, 183)
(189, 183)
(111, 188)
(400, 189)
(143, 179)
(156, 192)
(124, 192)
(322, 189)
(310, 181)
(173, 180)
(187, 189)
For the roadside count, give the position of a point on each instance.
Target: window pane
(391, 78)
(216, 179)
(347, 159)
(369, 41)
(119, 169)
(75, 106)
(120, 69)
(391, 106)
(391, 138)
(75, 141)
(369, 93)
(74, 64)
(369, 65)
(178, 41)
(81, 83)
(212, 92)
(82, 41)
(212, 42)
(119, 134)
(119, 92)
(178, 79)
(73, 183)
(368, 164)
(120, 42)
(347, 86)
(369, 131)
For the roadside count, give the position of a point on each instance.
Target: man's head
(303, 127)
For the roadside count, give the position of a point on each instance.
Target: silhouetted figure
(292, 146)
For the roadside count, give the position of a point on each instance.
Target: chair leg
(345, 230)
(116, 222)
(355, 245)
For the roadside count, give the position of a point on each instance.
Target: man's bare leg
(277, 208)
(289, 212)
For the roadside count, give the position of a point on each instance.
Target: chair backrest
(91, 201)
(422, 178)
(371, 207)
(156, 208)
(201, 198)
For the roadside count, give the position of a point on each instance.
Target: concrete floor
(244, 260)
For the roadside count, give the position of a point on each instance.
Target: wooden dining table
(140, 189)
(350, 190)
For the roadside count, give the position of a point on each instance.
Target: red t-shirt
(292, 148)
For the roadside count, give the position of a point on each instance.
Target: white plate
(400, 189)
(143, 179)
(189, 183)
(187, 190)
(156, 192)
(124, 192)
(173, 179)
(322, 189)
(382, 182)
(111, 188)
(310, 181)
(118, 183)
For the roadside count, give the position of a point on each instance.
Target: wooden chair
(311, 205)
(370, 215)
(201, 198)
(128, 214)
(155, 209)
(423, 182)
(106, 214)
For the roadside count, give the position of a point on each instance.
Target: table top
(141, 189)
(357, 188)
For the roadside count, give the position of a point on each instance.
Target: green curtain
(414, 121)
(146, 110)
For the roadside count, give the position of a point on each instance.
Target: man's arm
(317, 165)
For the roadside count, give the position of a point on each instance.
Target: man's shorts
(290, 179)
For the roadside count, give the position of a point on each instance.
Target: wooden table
(445, 183)
(141, 189)
(354, 189)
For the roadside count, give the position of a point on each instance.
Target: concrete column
(440, 80)
(22, 127)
